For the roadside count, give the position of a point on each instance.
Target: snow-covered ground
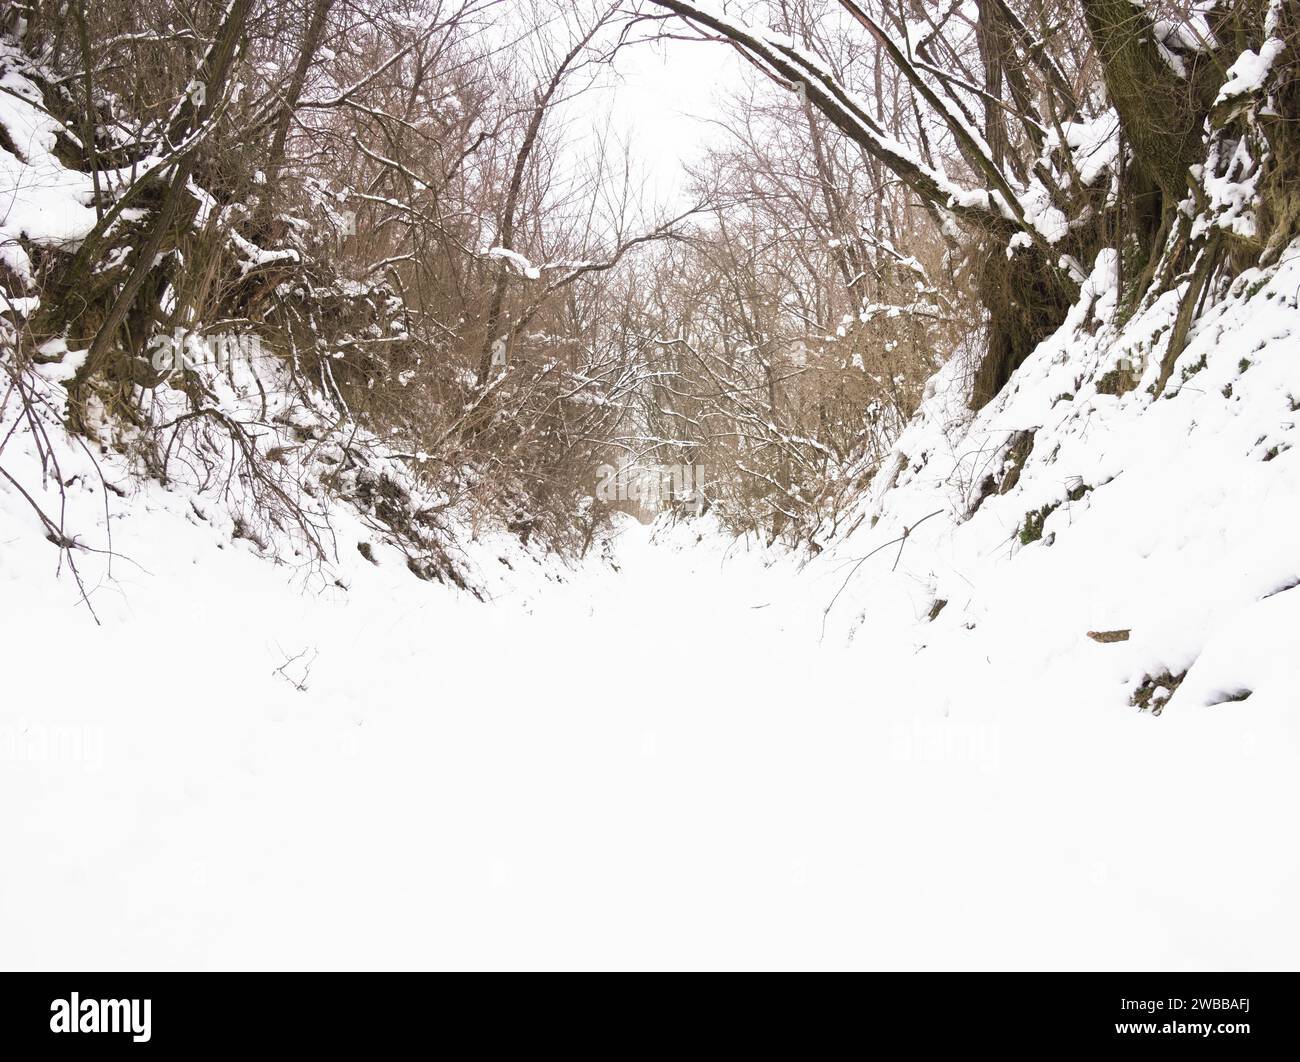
(701, 754)
(657, 766)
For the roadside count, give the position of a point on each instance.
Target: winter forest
(649, 484)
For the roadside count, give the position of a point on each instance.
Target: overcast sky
(666, 92)
(660, 98)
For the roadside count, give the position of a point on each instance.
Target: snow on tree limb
(996, 211)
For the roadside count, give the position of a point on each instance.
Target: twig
(901, 540)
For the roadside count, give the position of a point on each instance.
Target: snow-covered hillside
(1063, 508)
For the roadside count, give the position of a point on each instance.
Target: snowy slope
(1061, 509)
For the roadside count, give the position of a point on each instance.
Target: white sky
(661, 100)
(658, 97)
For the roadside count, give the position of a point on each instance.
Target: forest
(898, 410)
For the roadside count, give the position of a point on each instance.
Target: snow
(1184, 532)
(39, 198)
(1190, 33)
(687, 751)
(688, 761)
(609, 776)
(255, 257)
(1250, 70)
(1094, 144)
(522, 264)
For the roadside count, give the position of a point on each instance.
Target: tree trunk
(213, 75)
(310, 44)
